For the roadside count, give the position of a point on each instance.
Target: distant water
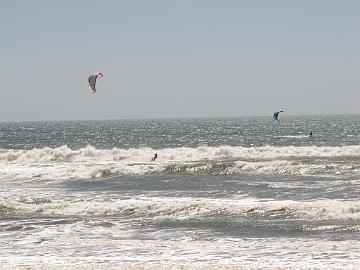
(230, 193)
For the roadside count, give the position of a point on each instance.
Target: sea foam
(187, 208)
(89, 162)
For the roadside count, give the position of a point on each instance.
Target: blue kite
(276, 115)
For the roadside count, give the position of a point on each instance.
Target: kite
(276, 115)
(92, 81)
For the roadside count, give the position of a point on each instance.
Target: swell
(89, 162)
(187, 208)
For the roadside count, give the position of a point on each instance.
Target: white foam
(294, 136)
(68, 251)
(70, 243)
(89, 162)
(187, 208)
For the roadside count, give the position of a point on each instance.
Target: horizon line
(176, 118)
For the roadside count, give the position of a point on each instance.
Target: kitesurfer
(155, 157)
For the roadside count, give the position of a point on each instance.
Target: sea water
(229, 193)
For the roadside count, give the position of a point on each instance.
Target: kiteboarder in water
(155, 157)
(92, 81)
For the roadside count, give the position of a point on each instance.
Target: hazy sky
(178, 58)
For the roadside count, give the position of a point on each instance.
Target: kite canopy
(92, 81)
(276, 115)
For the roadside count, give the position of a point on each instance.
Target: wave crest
(189, 208)
(89, 162)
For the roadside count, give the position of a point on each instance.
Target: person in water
(311, 133)
(155, 157)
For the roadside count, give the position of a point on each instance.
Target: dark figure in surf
(311, 133)
(155, 157)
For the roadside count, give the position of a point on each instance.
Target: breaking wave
(89, 162)
(187, 208)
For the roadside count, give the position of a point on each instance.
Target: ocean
(224, 193)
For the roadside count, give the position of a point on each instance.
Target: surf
(90, 162)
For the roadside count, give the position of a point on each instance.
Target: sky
(165, 59)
